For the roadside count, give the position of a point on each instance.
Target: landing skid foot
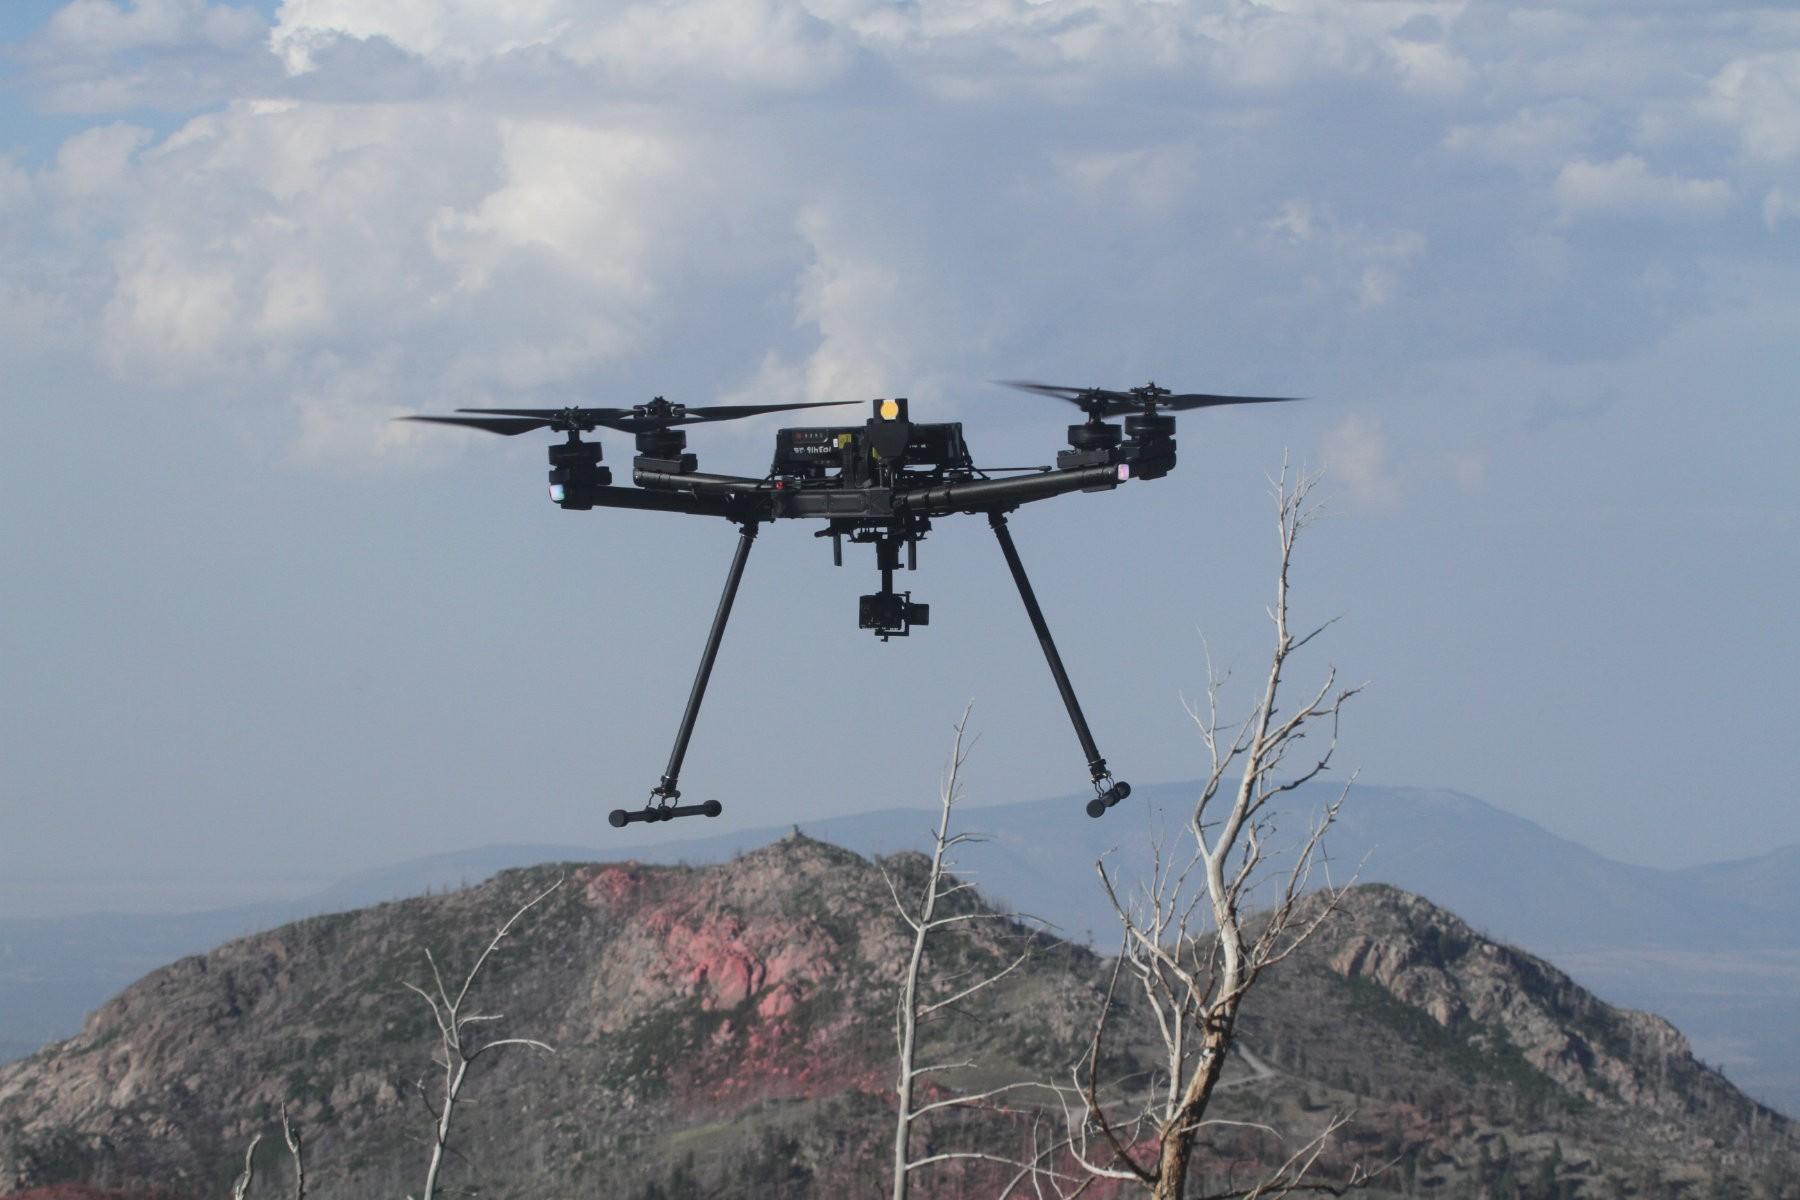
(1106, 797)
(619, 818)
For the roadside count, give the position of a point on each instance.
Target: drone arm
(994, 495)
(699, 483)
(700, 504)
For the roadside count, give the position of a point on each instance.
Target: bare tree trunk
(912, 1008)
(908, 1015)
(241, 1186)
(1187, 946)
(291, 1136)
(457, 1048)
(1176, 1153)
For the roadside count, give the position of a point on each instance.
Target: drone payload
(880, 483)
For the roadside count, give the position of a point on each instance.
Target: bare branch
(493, 945)
(532, 1042)
(291, 1136)
(950, 1155)
(907, 1009)
(240, 1188)
(456, 1058)
(973, 1098)
(956, 988)
(964, 918)
(899, 905)
(967, 1064)
(990, 980)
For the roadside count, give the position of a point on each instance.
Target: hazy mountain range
(726, 1031)
(1714, 948)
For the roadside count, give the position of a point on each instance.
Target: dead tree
(459, 1045)
(291, 1136)
(929, 921)
(460, 1042)
(1191, 949)
(240, 1187)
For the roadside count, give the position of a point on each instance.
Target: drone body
(881, 483)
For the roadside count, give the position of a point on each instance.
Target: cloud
(1779, 207)
(101, 27)
(771, 42)
(539, 199)
(957, 48)
(581, 194)
(119, 56)
(1573, 404)
(1468, 469)
(1359, 267)
(1532, 138)
(1760, 95)
(98, 162)
(457, 31)
(1430, 69)
(1627, 186)
(1357, 455)
(1153, 179)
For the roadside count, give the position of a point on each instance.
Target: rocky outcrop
(1510, 1002)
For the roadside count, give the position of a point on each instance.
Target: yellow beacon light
(889, 410)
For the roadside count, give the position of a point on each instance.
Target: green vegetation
(1476, 1053)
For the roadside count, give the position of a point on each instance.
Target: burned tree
(461, 1042)
(925, 994)
(1193, 950)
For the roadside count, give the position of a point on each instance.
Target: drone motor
(575, 472)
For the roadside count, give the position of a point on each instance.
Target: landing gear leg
(662, 804)
(1106, 792)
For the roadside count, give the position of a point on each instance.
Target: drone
(880, 483)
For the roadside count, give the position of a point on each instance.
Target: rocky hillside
(725, 1031)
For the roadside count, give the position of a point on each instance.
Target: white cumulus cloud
(111, 26)
(1759, 95)
(1358, 455)
(353, 206)
(1627, 185)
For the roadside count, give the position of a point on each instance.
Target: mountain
(1512, 877)
(54, 970)
(724, 1031)
(1716, 948)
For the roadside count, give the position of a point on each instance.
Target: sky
(1533, 266)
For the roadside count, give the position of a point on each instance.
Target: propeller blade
(1112, 403)
(638, 420)
(630, 422)
(546, 413)
(505, 426)
(1073, 395)
(1204, 400)
(625, 420)
(730, 412)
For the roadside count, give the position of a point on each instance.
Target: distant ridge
(1715, 947)
(722, 1031)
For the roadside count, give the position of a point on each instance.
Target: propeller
(506, 426)
(643, 418)
(1104, 402)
